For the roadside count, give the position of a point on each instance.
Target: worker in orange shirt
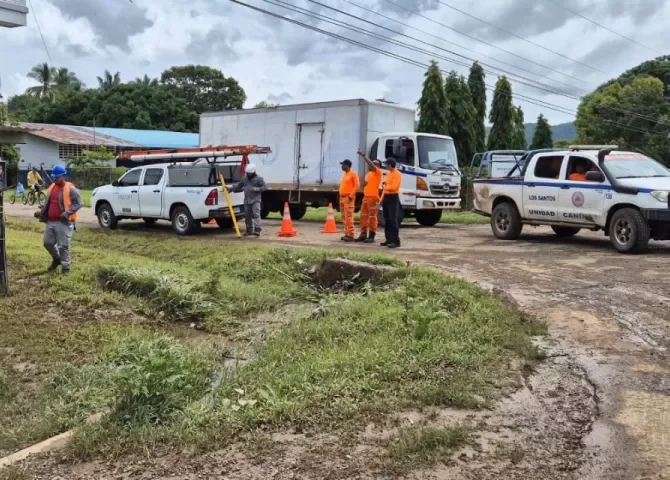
(579, 174)
(370, 205)
(348, 187)
(391, 205)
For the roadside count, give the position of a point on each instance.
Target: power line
(523, 98)
(484, 42)
(574, 12)
(32, 9)
(369, 10)
(513, 34)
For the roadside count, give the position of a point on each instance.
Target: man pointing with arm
(348, 187)
(370, 205)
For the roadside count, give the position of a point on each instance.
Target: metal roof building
(41, 143)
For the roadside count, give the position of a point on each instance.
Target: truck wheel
(106, 217)
(428, 218)
(224, 222)
(182, 221)
(298, 210)
(506, 222)
(629, 231)
(566, 231)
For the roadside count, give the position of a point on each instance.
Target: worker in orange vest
(59, 213)
(391, 204)
(349, 185)
(370, 205)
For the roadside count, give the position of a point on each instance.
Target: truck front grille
(442, 190)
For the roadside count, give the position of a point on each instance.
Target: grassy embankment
(147, 324)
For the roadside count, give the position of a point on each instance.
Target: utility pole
(4, 278)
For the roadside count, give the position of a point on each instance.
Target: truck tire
(380, 217)
(265, 211)
(506, 222)
(106, 217)
(629, 231)
(224, 223)
(182, 221)
(565, 232)
(298, 210)
(428, 218)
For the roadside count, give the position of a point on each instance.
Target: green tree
(147, 81)
(543, 136)
(9, 153)
(562, 143)
(264, 104)
(461, 114)
(204, 89)
(92, 158)
(501, 116)
(109, 81)
(45, 76)
(477, 85)
(22, 107)
(433, 102)
(519, 140)
(65, 80)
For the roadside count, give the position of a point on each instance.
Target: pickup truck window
(634, 166)
(577, 168)
(153, 176)
(131, 179)
(549, 167)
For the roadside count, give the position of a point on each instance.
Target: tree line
(457, 106)
(172, 102)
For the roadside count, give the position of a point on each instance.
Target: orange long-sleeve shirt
(393, 181)
(350, 183)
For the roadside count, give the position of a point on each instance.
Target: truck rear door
(151, 192)
(541, 187)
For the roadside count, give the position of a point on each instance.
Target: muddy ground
(597, 408)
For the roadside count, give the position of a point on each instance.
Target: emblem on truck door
(578, 199)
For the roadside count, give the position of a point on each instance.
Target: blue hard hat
(58, 171)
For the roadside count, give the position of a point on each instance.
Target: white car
(186, 194)
(624, 194)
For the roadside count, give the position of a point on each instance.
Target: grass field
(203, 342)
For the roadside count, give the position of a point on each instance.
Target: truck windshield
(634, 166)
(437, 153)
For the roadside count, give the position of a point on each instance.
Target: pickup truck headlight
(660, 195)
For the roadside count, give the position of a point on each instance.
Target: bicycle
(33, 196)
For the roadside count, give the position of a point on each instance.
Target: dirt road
(610, 328)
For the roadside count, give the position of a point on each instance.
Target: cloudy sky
(286, 63)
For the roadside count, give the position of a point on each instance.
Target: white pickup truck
(187, 194)
(624, 194)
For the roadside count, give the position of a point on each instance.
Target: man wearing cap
(370, 205)
(391, 204)
(59, 212)
(348, 187)
(253, 186)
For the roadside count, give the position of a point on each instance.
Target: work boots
(347, 239)
(362, 238)
(54, 265)
(370, 239)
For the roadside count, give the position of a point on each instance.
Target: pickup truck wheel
(182, 221)
(106, 217)
(428, 218)
(506, 222)
(566, 231)
(629, 231)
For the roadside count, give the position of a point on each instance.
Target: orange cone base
(287, 234)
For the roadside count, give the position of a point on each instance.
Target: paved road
(608, 311)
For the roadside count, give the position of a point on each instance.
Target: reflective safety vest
(67, 200)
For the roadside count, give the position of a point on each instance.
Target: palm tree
(109, 80)
(147, 81)
(46, 77)
(65, 79)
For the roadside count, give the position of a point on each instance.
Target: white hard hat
(251, 168)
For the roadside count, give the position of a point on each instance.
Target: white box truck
(308, 142)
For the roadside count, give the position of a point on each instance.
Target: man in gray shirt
(253, 186)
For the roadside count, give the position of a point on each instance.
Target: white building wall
(38, 151)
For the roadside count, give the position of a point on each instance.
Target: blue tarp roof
(152, 138)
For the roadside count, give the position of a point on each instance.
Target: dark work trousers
(390, 207)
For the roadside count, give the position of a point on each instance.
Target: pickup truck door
(150, 191)
(541, 187)
(126, 194)
(580, 201)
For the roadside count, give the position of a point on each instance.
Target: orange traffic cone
(331, 226)
(287, 229)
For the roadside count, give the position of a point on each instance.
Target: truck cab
(624, 194)
(431, 179)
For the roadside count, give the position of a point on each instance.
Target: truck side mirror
(597, 177)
